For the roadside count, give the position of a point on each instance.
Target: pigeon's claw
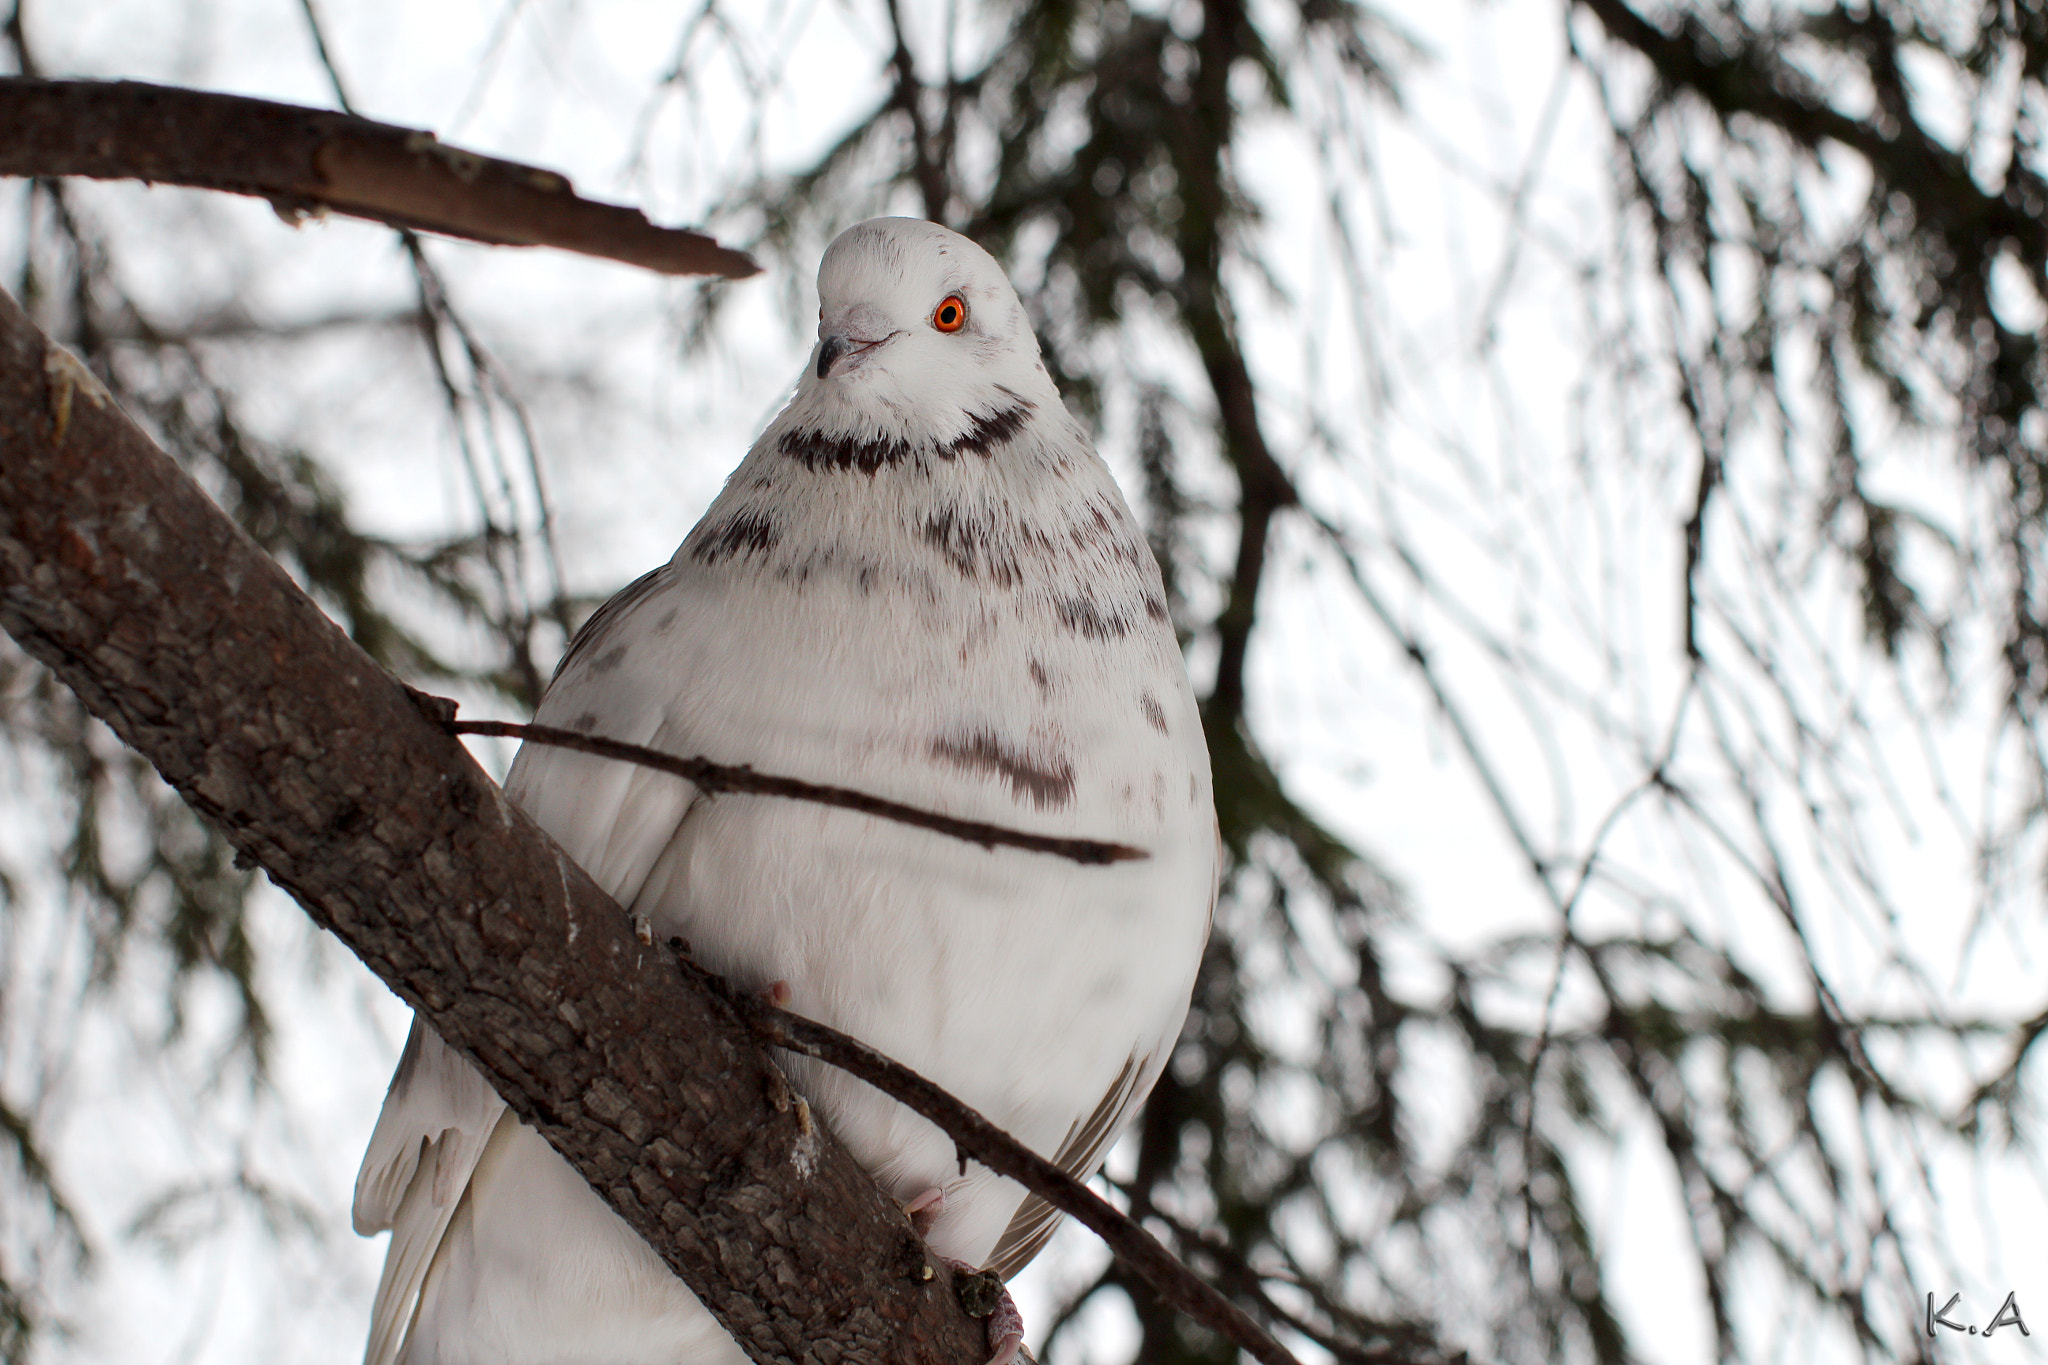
(1005, 1332)
(984, 1296)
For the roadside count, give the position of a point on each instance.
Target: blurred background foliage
(1695, 525)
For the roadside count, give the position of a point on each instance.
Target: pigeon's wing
(614, 819)
(611, 614)
(1086, 1142)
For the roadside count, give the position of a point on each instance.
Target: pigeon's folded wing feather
(613, 817)
(1088, 1141)
(1079, 1156)
(434, 1095)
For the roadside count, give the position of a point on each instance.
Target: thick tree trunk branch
(174, 628)
(314, 160)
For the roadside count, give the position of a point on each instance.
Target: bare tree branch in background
(1118, 138)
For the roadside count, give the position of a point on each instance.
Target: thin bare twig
(725, 777)
(1232, 1268)
(437, 310)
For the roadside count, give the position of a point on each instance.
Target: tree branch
(1263, 487)
(908, 96)
(1754, 80)
(314, 160)
(200, 652)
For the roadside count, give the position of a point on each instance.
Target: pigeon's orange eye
(951, 314)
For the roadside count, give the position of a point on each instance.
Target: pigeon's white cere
(921, 582)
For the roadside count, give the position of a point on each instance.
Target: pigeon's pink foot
(925, 1210)
(776, 993)
(983, 1295)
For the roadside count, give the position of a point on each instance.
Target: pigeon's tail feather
(437, 1118)
(416, 1237)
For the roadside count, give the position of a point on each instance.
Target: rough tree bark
(118, 573)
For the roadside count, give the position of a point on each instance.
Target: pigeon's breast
(1029, 676)
(1049, 703)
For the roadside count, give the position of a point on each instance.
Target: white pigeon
(921, 582)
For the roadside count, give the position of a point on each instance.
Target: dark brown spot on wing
(1045, 781)
(605, 617)
(1154, 712)
(1035, 1220)
(1039, 676)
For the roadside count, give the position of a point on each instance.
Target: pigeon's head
(915, 319)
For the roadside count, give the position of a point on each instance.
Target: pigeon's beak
(847, 333)
(850, 350)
